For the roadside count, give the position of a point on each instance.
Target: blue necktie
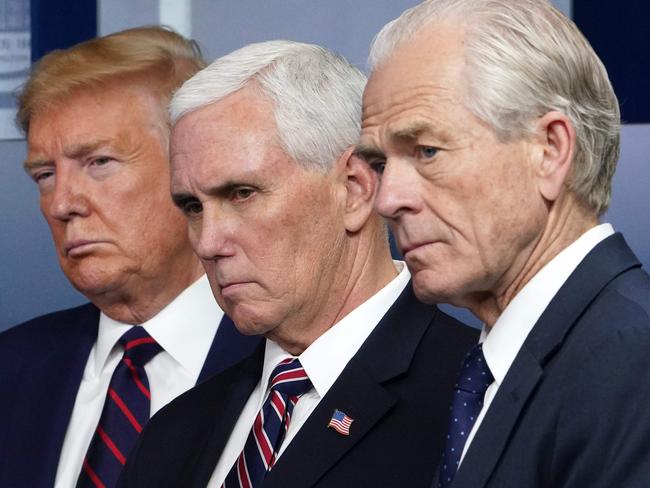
(126, 410)
(288, 382)
(473, 380)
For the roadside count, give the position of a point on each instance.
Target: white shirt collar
(195, 308)
(508, 334)
(327, 356)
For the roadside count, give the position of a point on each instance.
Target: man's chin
(430, 289)
(249, 322)
(94, 281)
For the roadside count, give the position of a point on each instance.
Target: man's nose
(212, 237)
(69, 198)
(397, 191)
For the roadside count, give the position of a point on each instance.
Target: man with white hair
(77, 385)
(496, 133)
(352, 385)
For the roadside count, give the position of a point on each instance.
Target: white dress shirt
(323, 361)
(185, 329)
(502, 342)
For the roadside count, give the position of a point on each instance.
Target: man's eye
(427, 152)
(239, 194)
(378, 166)
(192, 207)
(100, 161)
(41, 176)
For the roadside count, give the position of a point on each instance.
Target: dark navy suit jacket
(41, 365)
(573, 409)
(397, 388)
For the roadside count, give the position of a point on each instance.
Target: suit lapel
(359, 392)
(606, 261)
(225, 408)
(44, 403)
(229, 346)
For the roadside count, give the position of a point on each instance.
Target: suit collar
(228, 347)
(605, 262)
(194, 308)
(359, 392)
(44, 401)
(515, 323)
(235, 386)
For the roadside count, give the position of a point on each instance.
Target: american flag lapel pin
(340, 422)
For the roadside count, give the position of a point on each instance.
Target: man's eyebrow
(368, 152)
(29, 166)
(80, 151)
(222, 190)
(180, 199)
(412, 131)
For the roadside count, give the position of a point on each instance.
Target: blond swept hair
(156, 57)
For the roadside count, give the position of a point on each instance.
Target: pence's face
(268, 231)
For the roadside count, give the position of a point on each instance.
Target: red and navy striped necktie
(288, 382)
(126, 410)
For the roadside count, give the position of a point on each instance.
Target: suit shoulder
(611, 339)
(22, 336)
(621, 310)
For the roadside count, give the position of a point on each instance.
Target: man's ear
(361, 186)
(557, 139)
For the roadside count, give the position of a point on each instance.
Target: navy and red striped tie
(288, 382)
(126, 410)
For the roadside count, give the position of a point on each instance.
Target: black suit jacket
(573, 409)
(41, 365)
(397, 388)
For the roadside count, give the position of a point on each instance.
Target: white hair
(316, 95)
(524, 59)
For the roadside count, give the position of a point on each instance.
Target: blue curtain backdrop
(61, 24)
(31, 282)
(620, 34)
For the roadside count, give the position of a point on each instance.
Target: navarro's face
(269, 232)
(100, 161)
(463, 205)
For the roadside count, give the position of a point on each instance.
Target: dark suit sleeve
(603, 429)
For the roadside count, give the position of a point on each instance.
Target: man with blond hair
(495, 130)
(78, 385)
(352, 384)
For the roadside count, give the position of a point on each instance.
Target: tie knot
(475, 375)
(139, 346)
(289, 378)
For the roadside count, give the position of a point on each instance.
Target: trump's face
(268, 231)
(462, 204)
(100, 161)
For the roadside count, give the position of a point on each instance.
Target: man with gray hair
(353, 382)
(496, 133)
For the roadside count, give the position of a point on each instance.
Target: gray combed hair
(316, 95)
(524, 59)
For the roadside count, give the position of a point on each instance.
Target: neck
(568, 219)
(365, 268)
(136, 303)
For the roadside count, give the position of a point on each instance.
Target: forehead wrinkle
(81, 150)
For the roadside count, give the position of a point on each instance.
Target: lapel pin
(340, 422)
